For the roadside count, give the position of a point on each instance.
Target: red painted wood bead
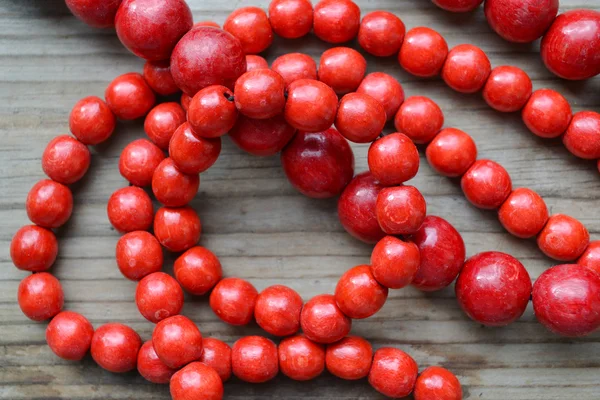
(262, 137)
(442, 251)
(486, 184)
(40, 296)
(260, 94)
(358, 294)
(198, 270)
(158, 296)
(95, 13)
(138, 254)
(162, 121)
(65, 160)
(157, 75)
(177, 229)
(393, 159)
(458, 5)
(150, 367)
(360, 118)
(251, 26)
(49, 204)
(466, 68)
(254, 359)
(206, 23)
(138, 161)
(217, 355)
(150, 29)
(381, 33)
(385, 89)
(115, 347)
(207, 56)
(419, 118)
(295, 66)
(177, 341)
(255, 62)
(277, 310)
(130, 209)
(591, 257)
(566, 300)
(291, 19)
(311, 105)
(212, 112)
(563, 238)
(342, 69)
(192, 154)
(437, 383)
(571, 47)
(233, 300)
(33, 248)
(582, 137)
(507, 89)
(349, 358)
(524, 213)
(336, 21)
(400, 210)
(196, 381)
(172, 187)
(318, 165)
(493, 288)
(393, 372)
(91, 121)
(451, 153)
(129, 97)
(322, 320)
(69, 335)
(520, 21)
(301, 359)
(547, 113)
(423, 52)
(395, 263)
(185, 103)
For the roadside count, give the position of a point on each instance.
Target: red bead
(130, 209)
(563, 238)
(157, 75)
(251, 26)
(437, 383)
(318, 165)
(507, 89)
(254, 359)
(172, 187)
(207, 56)
(95, 13)
(65, 160)
(138, 254)
(571, 47)
(150, 367)
(91, 121)
(423, 52)
(393, 372)
(336, 21)
(547, 113)
(69, 335)
(233, 300)
(591, 257)
(381, 33)
(419, 118)
(400, 210)
(115, 347)
(486, 184)
(291, 19)
(395, 263)
(582, 137)
(158, 296)
(162, 121)
(255, 62)
(466, 69)
(129, 97)
(360, 118)
(49, 204)
(524, 213)
(311, 105)
(442, 252)
(217, 354)
(198, 270)
(262, 137)
(207, 23)
(342, 69)
(295, 66)
(349, 358)
(260, 94)
(451, 153)
(393, 159)
(520, 21)
(493, 288)
(301, 359)
(212, 112)
(358, 294)
(138, 161)
(277, 310)
(177, 341)
(33, 248)
(322, 320)
(192, 154)
(566, 300)
(458, 5)
(150, 29)
(40, 296)
(196, 381)
(385, 89)
(177, 229)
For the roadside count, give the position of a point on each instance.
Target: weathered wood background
(266, 232)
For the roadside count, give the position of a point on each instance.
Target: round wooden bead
(342, 69)
(192, 154)
(115, 347)
(393, 159)
(217, 354)
(591, 257)
(251, 26)
(260, 94)
(437, 383)
(295, 66)
(301, 359)
(582, 137)
(130, 209)
(547, 113)
(277, 310)
(233, 300)
(563, 238)
(451, 153)
(423, 52)
(49, 204)
(420, 119)
(322, 320)
(291, 19)
(150, 367)
(33, 248)
(177, 229)
(524, 213)
(507, 89)
(400, 210)
(311, 105)
(185, 102)
(381, 33)
(196, 381)
(349, 358)
(138, 254)
(262, 137)
(466, 69)
(158, 296)
(385, 89)
(358, 294)
(395, 263)
(393, 372)
(255, 62)
(98, 14)
(177, 341)
(65, 160)
(254, 359)
(360, 118)
(157, 75)
(198, 270)
(91, 120)
(207, 23)
(458, 5)
(138, 161)
(172, 187)
(336, 21)
(162, 121)
(40, 296)
(69, 335)
(520, 21)
(129, 97)
(486, 184)
(212, 111)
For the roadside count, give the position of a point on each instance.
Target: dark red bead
(198, 270)
(138, 161)
(33, 248)
(138, 254)
(251, 26)
(336, 21)
(40, 296)
(162, 121)
(177, 341)
(393, 159)
(96, 13)
(507, 89)
(196, 381)
(393, 372)
(130, 209)
(322, 320)
(520, 21)
(295, 66)
(419, 118)
(437, 383)
(400, 210)
(212, 112)
(311, 105)
(158, 76)
(192, 154)
(395, 263)
(360, 118)
(381, 33)
(254, 359)
(150, 367)
(262, 137)
(349, 358)
(158, 296)
(423, 52)
(115, 347)
(582, 137)
(177, 229)
(563, 238)
(65, 160)
(233, 300)
(69, 335)
(300, 358)
(466, 68)
(91, 121)
(129, 97)
(342, 69)
(451, 153)
(486, 184)
(524, 213)
(385, 89)
(358, 294)
(547, 113)
(291, 19)
(49, 204)
(260, 94)
(277, 310)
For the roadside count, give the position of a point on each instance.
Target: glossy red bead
(251, 26)
(65, 160)
(336, 21)
(358, 294)
(458, 5)
(437, 383)
(130, 209)
(486, 184)
(150, 367)
(172, 187)
(547, 113)
(524, 213)
(563, 238)
(185, 102)
(507, 89)
(198, 270)
(260, 94)
(419, 118)
(115, 347)
(262, 137)
(520, 21)
(582, 137)
(385, 89)
(129, 97)
(95, 13)
(360, 118)
(177, 229)
(381, 33)
(394, 263)
(162, 121)
(393, 372)
(311, 105)
(69, 335)
(322, 320)
(590, 258)
(451, 153)
(40, 296)
(177, 341)
(212, 112)
(192, 154)
(349, 358)
(233, 300)
(49, 204)
(393, 159)
(255, 62)
(138, 161)
(91, 120)
(291, 19)
(33, 248)
(217, 355)
(342, 69)
(466, 68)
(254, 359)
(295, 66)
(138, 254)
(300, 358)
(157, 75)
(423, 52)
(277, 310)
(158, 296)
(400, 210)
(196, 381)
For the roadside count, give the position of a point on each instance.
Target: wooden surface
(266, 232)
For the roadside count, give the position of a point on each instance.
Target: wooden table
(263, 230)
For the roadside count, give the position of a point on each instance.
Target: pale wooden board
(264, 231)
